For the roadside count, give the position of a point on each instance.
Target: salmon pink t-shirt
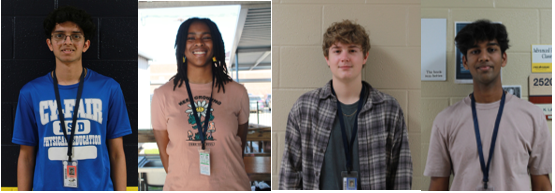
(171, 111)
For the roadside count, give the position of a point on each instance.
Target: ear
(86, 45)
(464, 62)
(49, 43)
(365, 58)
(504, 58)
(327, 60)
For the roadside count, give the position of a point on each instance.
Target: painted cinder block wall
(527, 22)
(298, 63)
(25, 56)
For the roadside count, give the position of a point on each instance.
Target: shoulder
(524, 106)
(165, 88)
(385, 101)
(97, 78)
(235, 87)
(37, 84)
(310, 98)
(454, 111)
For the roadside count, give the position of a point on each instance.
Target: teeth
(199, 52)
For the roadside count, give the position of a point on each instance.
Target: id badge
(481, 187)
(204, 158)
(70, 174)
(350, 181)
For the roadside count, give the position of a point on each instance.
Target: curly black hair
(219, 69)
(69, 13)
(479, 31)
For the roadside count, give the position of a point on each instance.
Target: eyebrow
(352, 46)
(488, 44)
(193, 33)
(60, 31)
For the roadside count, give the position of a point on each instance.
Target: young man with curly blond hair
(346, 131)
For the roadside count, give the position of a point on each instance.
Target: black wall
(25, 56)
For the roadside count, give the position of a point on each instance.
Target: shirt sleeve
(157, 111)
(290, 175)
(438, 163)
(118, 120)
(400, 177)
(25, 130)
(540, 157)
(244, 112)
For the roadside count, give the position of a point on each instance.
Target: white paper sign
(541, 53)
(433, 49)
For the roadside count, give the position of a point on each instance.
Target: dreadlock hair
(219, 69)
(479, 31)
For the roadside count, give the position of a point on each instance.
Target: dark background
(25, 56)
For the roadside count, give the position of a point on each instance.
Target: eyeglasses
(59, 37)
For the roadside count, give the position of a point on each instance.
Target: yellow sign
(541, 58)
(541, 67)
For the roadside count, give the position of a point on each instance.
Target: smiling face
(199, 47)
(68, 50)
(346, 61)
(484, 61)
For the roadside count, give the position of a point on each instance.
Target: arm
(25, 167)
(162, 141)
(117, 163)
(242, 132)
(541, 182)
(400, 166)
(439, 184)
(290, 175)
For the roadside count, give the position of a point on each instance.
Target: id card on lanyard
(69, 167)
(204, 153)
(349, 177)
(485, 168)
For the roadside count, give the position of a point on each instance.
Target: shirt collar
(373, 96)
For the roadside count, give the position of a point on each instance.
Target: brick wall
(298, 64)
(25, 56)
(527, 22)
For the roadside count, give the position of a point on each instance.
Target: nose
(483, 57)
(344, 57)
(198, 42)
(66, 41)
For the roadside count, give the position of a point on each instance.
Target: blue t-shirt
(102, 115)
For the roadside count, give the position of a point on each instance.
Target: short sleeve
(118, 119)
(25, 131)
(244, 111)
(157, 112)
(540, 157)
(438, 163)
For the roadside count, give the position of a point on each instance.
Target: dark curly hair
(219, 69)
(345, 32)
(479, 31)
(69, 13)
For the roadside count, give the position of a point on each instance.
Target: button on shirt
(384, 155)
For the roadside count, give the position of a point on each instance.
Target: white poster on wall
(433, 49)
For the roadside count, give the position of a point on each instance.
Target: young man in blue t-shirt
(70, 95)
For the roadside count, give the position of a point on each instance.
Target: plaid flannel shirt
(384, 154)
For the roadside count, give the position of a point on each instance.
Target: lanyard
(75, 109)
(201, 129)
(485, 168)
(349, 144)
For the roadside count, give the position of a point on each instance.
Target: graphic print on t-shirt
(84, 144)
(202, 109)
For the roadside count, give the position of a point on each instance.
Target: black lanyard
(75, 109)
(485, 168)
(348, 145)
(201, 129)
